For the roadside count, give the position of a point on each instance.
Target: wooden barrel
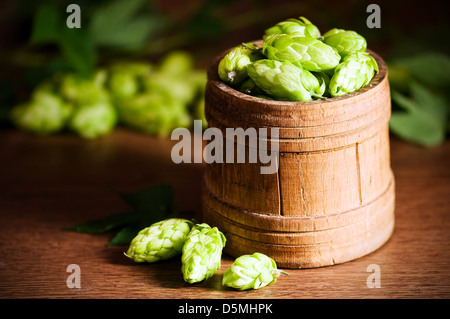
(331, 199)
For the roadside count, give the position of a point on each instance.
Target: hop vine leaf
(148, 205)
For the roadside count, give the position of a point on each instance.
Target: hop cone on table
(93, 120)
(345, 42)
(160, 241)
(355, 71)
(232, 68)
(283, 80)
(153, 113)
(79, 90)
(301, 26)
(94, 113)
(125, 78)
(45, 113)
(309, 53)
(177, 63)
(251, 272)
(202, 253)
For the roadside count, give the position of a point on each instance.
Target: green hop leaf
(422, 117)
(309, 53)
(123, 25)
(303, 27)
(251, 272)
(430, 68)
(45, 113)
(202, 253)
(356, 70)
(232, 68)
(160, 241)
(283, 80)
(149, 205)
(345, 42)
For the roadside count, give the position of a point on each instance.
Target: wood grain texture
(296, 224)
(348, 232)
(53, 182)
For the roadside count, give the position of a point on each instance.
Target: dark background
(205, 28)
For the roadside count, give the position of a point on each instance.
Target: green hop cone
(251, 272)
(249, 87)
(199, 78)
(93, 120)
(153, 112)
(125, 78)
(324, 83)
(309, 53)
(283, 80)
(123, 85)
(355, 71)
(181, 89)
(45, 113)
(160, 241)
(79, 90)
(177, 63)
(302, 27)
(202, 253)
(232, 68)
(315, 85)
(345, 42)
(176, 78)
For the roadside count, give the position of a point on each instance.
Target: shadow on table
(164, 274)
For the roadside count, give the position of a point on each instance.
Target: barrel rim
(213, 78)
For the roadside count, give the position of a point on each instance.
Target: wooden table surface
(48, 183)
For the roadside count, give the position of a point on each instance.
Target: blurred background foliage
(37, 51)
